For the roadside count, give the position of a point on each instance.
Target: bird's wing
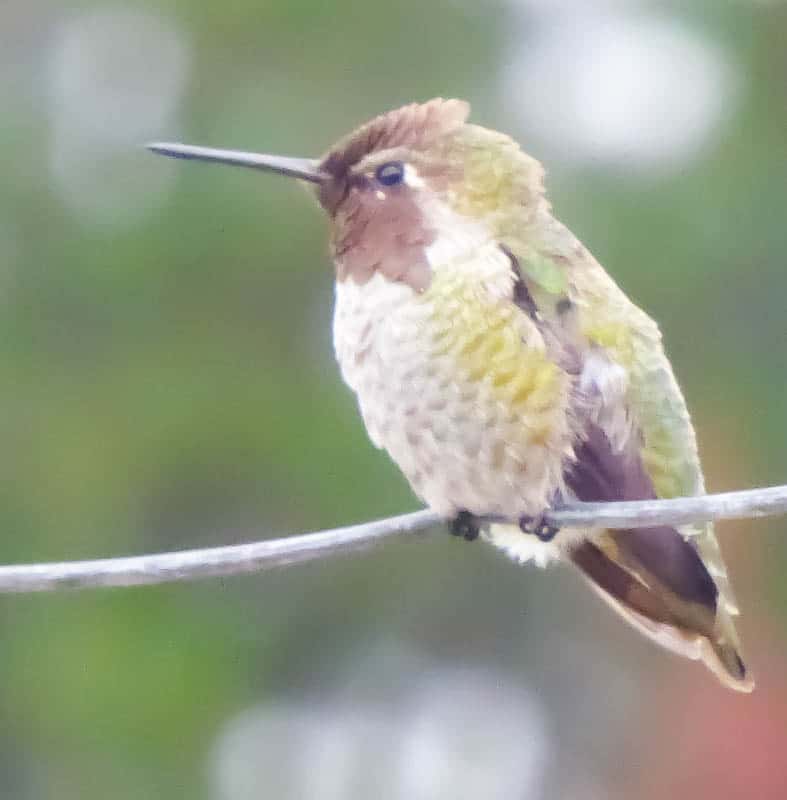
(638, 443)
(651, 453)
(657, 407)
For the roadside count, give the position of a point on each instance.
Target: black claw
(538, 527)
(466, 526)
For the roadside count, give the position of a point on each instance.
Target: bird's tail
(656, 580)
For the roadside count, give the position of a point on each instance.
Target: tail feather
(656, 578)
(679, 623)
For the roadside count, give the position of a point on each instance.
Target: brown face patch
(385, 234)
(380, 228)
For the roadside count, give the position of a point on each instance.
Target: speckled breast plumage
(455, 383)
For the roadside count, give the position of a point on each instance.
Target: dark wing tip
(737, 675)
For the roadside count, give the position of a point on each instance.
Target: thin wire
(242, 559)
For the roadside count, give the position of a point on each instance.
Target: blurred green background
(168, 382)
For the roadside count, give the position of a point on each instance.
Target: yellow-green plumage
(484, 339)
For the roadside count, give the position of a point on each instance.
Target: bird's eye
(390, 174)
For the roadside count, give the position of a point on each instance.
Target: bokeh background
(168, 382)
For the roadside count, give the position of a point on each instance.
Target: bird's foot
(465, 525)
(538, 527)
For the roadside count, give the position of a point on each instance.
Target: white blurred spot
(449, 735)
(116, 79)
(551, 6)
(619, 87)
(302, 751)
(472, 734)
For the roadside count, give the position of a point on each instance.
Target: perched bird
(503, 369)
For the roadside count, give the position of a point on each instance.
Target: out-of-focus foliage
(167, 381)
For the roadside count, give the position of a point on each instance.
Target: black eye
(390, 174)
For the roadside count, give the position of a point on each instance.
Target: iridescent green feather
(656, 404)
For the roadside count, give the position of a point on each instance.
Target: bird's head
(410, 188)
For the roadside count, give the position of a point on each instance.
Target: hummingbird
(504, 370)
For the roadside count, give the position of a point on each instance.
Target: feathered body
(504, 370)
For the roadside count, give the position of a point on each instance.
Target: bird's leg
(466, 525)
(538, 527)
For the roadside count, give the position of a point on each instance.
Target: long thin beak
(306, 169)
